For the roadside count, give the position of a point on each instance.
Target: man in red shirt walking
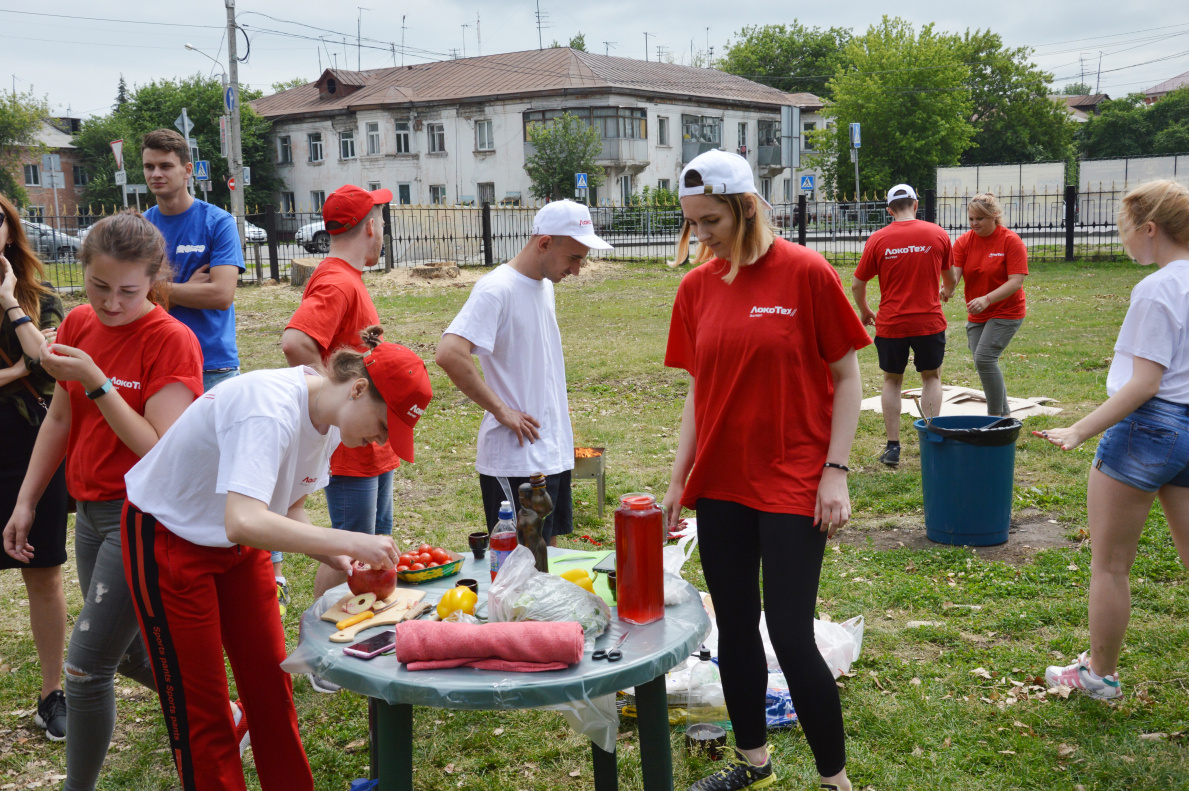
(908, 256)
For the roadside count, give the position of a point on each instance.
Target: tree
(1128, 127)
(21, 116)
(121, 95)
(790, 57)
(578, 42)
(910, 93)
(1014, 119)
(1076, 89)
(562, 147)
(285, 85)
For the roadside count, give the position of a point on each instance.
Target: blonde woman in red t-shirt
(994, 262)
(125, 372)
(768, 337)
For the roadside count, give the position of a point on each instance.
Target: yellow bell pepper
(458, 598)
(580, 578)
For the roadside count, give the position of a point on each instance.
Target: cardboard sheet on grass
(967, 401)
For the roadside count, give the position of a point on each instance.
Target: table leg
(606, 771)
(373, 738)
(656, 758)
(394, 737)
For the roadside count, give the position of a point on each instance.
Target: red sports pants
(194, 603)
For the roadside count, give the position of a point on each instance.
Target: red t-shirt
(140, 358)
(759, 351)
(907, 256)
(986, 263)
(334, 308)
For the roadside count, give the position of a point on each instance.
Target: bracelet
(14, 307)
(21, 320)
(834, 466)
(101, 390)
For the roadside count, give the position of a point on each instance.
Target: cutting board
(338, 613)
(586, 561)
(405, 601)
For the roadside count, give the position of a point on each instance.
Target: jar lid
(638, 500)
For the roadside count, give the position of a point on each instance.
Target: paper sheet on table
(967, 401)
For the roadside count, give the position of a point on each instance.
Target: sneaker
(242, 737)
(1080, 676)
(51, 715)
(283, 596)
(736, 775)
(322, 685)
(890, 455)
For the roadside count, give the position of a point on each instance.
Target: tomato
(425, 558)
(402, 567)
(416, 567)
(408, 559)
(440, 556)
(425, 548)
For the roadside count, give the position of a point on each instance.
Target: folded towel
(522, 646)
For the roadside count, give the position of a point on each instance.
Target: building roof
(1171, 84)
(547, 72)
(52, 137)
(1081, 106)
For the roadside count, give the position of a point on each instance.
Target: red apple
(364, 578)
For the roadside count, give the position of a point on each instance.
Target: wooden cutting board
(338, 613)
(404, 599)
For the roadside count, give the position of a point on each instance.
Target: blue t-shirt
(203, 234)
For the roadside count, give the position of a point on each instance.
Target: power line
(105, 19)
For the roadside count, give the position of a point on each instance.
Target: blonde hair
(985, 204)
(753, 235)
(347, 365)
(1163, 202)
(129, 238)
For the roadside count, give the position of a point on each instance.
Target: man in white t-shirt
(509, 323)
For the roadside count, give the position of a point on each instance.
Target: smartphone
(606, 564)
(373, 646)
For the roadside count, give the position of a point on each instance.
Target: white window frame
(436, 133)
(347, 144)
(484, 135)
(288, 203)
(662, 131)
(314, 142)
(404, 137)
(742, 131)
(284, 150)
(80, 175)
(407, 188)
(664, 184)
(372, 186)
(437, 194)
(373, 138)
(766, 189)
(32, 175)
(317, 200)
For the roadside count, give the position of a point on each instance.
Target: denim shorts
(361, 505)
(1149, 448)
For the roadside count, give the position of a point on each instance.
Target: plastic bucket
(968, 488)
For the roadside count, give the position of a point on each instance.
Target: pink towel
(523, 647)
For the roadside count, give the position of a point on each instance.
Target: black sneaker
(890, 455)
(738, 774)
(51, 715)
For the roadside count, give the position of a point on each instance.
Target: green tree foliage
(1014, 118)
(285, 85)
(21, 117)
(790, 57)
(910, 93)
(578, 42)
(562, 147)
(155, 106)
(1077, 89)
(121, 94)
(1129, 128)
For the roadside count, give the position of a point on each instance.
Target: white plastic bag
(673, 558)
(839, 643)
(521, 593)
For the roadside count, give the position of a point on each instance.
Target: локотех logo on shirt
(190, 248)
(907, 249)
(775, 310)
(125, 384)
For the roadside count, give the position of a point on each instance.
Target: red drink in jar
(639, 569)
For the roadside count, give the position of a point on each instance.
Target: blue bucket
(968, 488)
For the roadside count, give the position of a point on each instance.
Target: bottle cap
(704, 655)
(637, 500)
(505, 509)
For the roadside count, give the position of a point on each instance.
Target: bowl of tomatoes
(427, 563)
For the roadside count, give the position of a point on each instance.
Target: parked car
(313, 237)
(50, 243)
(254, 233)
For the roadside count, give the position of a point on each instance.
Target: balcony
(691, 148)
(769, 157)
(628, 153)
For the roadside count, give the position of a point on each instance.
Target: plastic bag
(778, 703)
(673, 558)
(1004, 431)
(839, 643)
(521, 593)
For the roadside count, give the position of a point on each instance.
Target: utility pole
(464, 38)
(607, 45)
(478, 35)
(707, 46)
(540, 43)
(237, 151)
(358, 38)
(646, 35)
(1098, 81)
(402, 39)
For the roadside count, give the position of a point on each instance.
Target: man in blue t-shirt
(204, 251)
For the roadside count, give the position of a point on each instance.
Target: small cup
(478, 542)
(469, 583)
(611, 585)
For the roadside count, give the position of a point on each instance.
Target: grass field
(918, 715)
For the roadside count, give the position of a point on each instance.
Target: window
(284, 150)
(769, 133)
(787, 190)
(288, 203)
(437, 138)
(402, 137)
(32, 175)
(743, 136)
(373, 138)
(35, 213)
(625, 185)
(317, 198)
(372, 186)
(807, 127)
(766, 189)
(483, 137)
(486, 192)
(347, 145)
(612, 122)
(314, 139)
(662, 131)
(701, 129)
(663, 184)
(404, 194)
(81, 177)
(437, 192)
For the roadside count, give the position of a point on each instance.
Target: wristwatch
(101, 390)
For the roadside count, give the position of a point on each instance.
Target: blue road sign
(807, 183)
(855, 138)
(202, 170)
(229, 100)
(580, 181)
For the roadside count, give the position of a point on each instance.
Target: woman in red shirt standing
(994, 262)
(768, 337)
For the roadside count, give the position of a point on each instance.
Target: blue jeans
(361, 505)
(1149, 448)
(212, 378)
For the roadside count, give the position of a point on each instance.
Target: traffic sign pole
(231, 100)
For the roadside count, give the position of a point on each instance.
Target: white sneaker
(1079, 676)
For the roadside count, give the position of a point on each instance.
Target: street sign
(121, 178)
(807, 183)
(136, 189)
(855, 139)
(580, 181)
(117, 150)
(53, 179)
(184, 124)
(223, 136)
(231, 184)
(51, 163)
(202, 170)
(204, 185)
(230, 100)
(247, 176)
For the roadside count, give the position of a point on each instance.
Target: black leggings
(732, 540)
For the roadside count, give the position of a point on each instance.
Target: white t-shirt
(1156, 328)
(511, 324)
(251, 435)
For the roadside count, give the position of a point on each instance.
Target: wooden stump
(434, 270)
(300, 270)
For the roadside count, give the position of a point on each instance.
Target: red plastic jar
(639, 568)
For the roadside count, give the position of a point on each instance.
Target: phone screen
(373, 646)
(606, 564)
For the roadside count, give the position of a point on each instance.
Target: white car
(313, 237)
(254, 233)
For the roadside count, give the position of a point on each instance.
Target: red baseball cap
(402, 381)
(348, 206)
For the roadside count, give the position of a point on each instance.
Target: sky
(73, 52)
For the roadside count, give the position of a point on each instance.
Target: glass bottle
(639, 569)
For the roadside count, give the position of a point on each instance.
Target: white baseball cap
(723, 173)
(567, 218)
(901, 191)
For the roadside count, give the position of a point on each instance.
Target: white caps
(723, 173)
(901, 191)
(567, 218)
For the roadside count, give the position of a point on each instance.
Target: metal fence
(1054, 226)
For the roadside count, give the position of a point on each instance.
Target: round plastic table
(649, 652)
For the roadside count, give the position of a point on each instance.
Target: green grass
(916, 717)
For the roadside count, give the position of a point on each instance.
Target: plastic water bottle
(704, 688)
(503, 537)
